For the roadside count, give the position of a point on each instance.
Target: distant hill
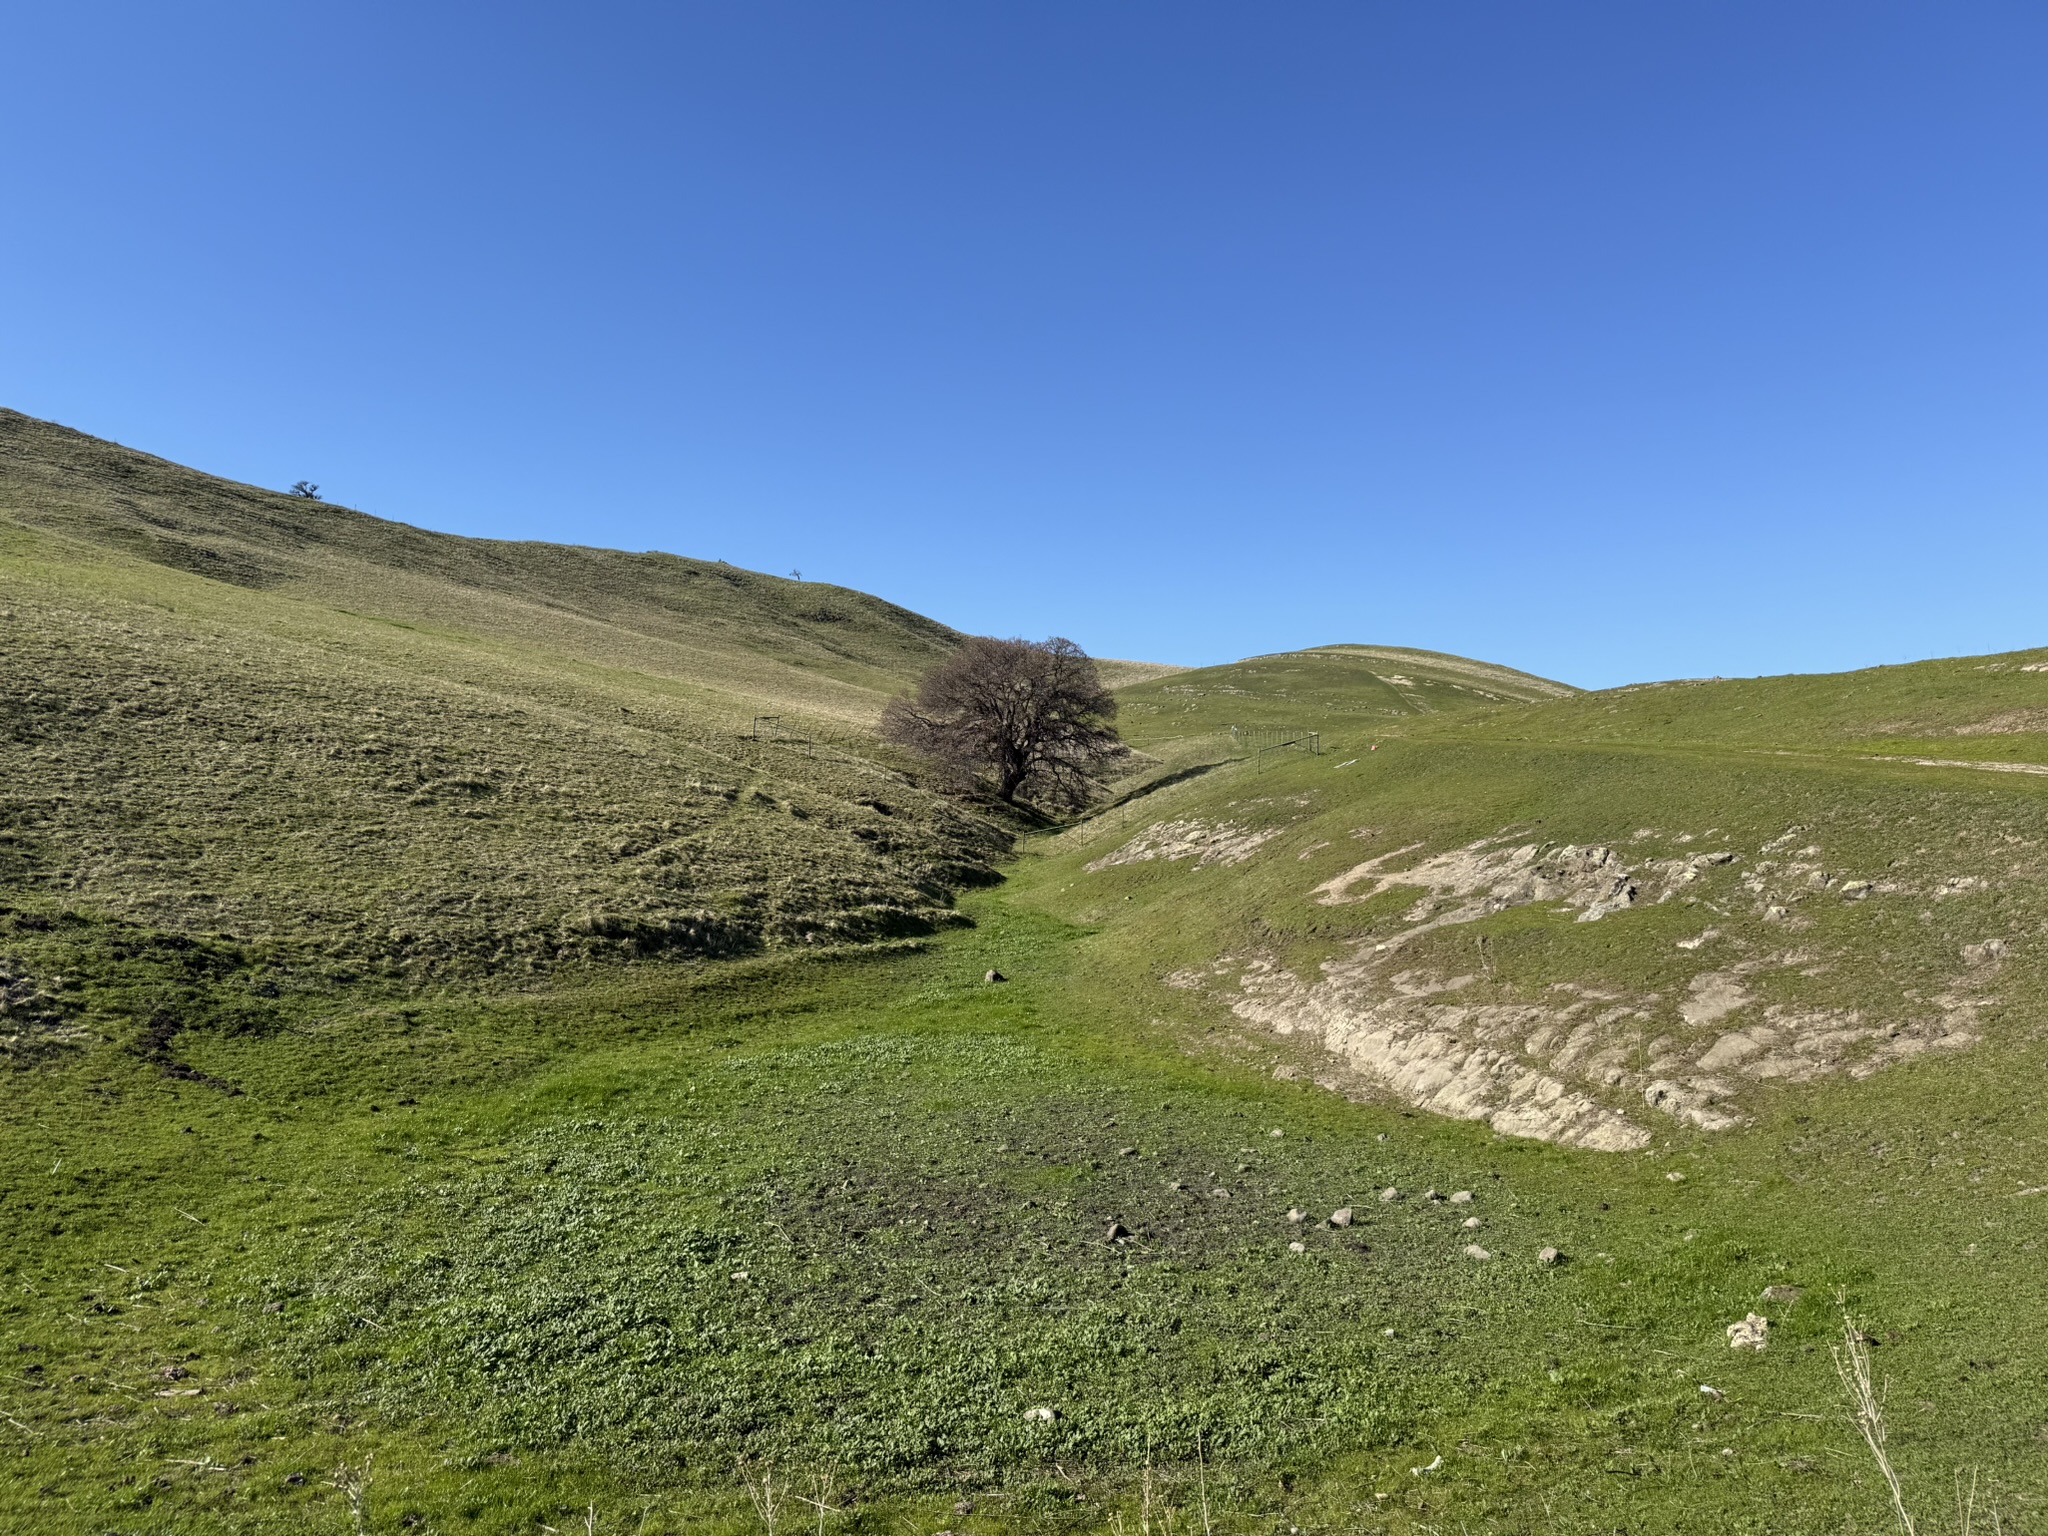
(1324, 683)
(229, 711)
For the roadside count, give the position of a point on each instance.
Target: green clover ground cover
(492, 1243)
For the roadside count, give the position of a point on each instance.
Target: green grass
(440, 1044)
(501, 1235)
(415, 755)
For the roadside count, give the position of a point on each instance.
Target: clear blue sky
(1612, 341)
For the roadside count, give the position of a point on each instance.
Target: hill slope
(1598, 918)
(349, 743)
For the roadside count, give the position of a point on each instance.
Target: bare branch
(1031, 714)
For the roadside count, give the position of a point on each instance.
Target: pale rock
(1753, 1332)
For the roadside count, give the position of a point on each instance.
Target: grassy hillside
(744, 640)
(1765, 953)
(462, 1082)
(1327, 688)
(341, 744)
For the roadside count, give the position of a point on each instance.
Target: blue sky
(1613, 341)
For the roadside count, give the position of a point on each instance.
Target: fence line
(1260, 740)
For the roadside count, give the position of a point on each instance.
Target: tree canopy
(1031, 714)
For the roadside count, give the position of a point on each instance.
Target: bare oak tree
(1032, 713)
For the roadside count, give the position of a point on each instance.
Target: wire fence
(1260, 741)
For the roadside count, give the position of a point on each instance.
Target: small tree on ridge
(1031, 713)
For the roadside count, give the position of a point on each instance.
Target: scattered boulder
(1473, 1221)
(1462, 1197)
(1040, 1415)
(1297, 1247)
(1714, 1392)
(1388, 1195)
(1117, 1231)
(1297, 1215)
(1176, 1184)
(1987, 953)
(994, 976)
(1753, 1332)
(1432, 1197)
(1785, 1293)
(1341, 1218)
(1675, 1177)
(1549, 1258)
(1126, 1151)
(1276, 1133)
(1474, 1251)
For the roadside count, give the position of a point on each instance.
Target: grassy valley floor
(512, 1258)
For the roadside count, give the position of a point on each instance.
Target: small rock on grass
(1040, 1415)
(1389, 1194)
(1117, 1230)
(1474, 1251)
(1297, 1247)
(1675, 1176)
(1297, 1215)
(1473, 1221)
(994, 976)
(1462, 1197)
(1549, 1258)
(1783, 1292)
(1753, 1332)
(1341, 1218)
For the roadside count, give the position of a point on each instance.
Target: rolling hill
(471, 1073)
(341, 743)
